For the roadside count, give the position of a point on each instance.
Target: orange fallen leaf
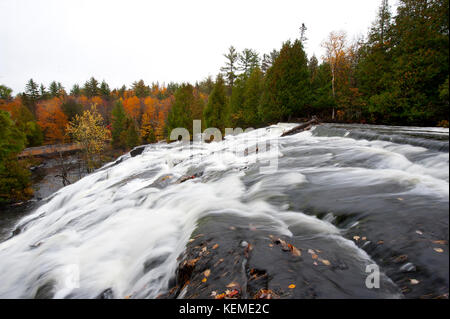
(295, 251)
(215, 246)
(204, 279)
(325, 262)
(438, 250)
(314, 256)
(439, 242)
(292, 286)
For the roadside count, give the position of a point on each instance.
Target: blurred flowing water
(361, 194)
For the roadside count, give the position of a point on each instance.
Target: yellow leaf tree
(88, 131)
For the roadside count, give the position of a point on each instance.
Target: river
(344, 196)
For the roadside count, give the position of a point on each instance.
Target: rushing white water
(99, 232)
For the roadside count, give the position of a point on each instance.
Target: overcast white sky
(123, 41)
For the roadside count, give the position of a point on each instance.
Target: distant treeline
(397, 74)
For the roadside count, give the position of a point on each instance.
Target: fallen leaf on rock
(325, 262)
(400, 198)
(364, 238)
(270, 245)
(315, 263)
(215, 246)
(204, 279)
(356, 238)
(438, 250)
(314, 256)
(310, 251)
(292, 286)
(419, 232)
(232, 228)
(232, 284)
(439, 242)
(207, 272)
(414, 281)
(295, 251)
(192, 262)
(401, 258)
(127, 297)
(265, 294)
(213, 293)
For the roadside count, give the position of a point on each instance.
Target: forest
(397, 74)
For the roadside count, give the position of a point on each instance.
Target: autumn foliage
(52, 120)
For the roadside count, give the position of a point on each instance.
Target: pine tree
(140, 89)
(76, 90)
(31, 96)
(253, 93)
(119, 123)
(215, 113)
(54, 89)
(248, 60)
(230, 67)
(5, 92)
(287, 91)
(104, 90)
(180, 115)
(91, 88)
(268, 60)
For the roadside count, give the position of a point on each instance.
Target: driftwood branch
(302, 127)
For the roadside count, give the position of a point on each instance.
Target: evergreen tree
(76, 90)
(230, 67)
(268, 60)
(236, 102)
(253, 93)
(287, 91)
(119, 123)
(43, 92)
(5, 92)
(206, 86)
(91, 88)
(248, 60)
(215, 113)
(54, 89)
(31, 96)
(14, 179)
(71, 108)
(130, 137)
(180, 115)
(104, 90)
(420, 45)
(122, 91)
(140, 89)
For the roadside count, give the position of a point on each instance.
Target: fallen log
(302, 127)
